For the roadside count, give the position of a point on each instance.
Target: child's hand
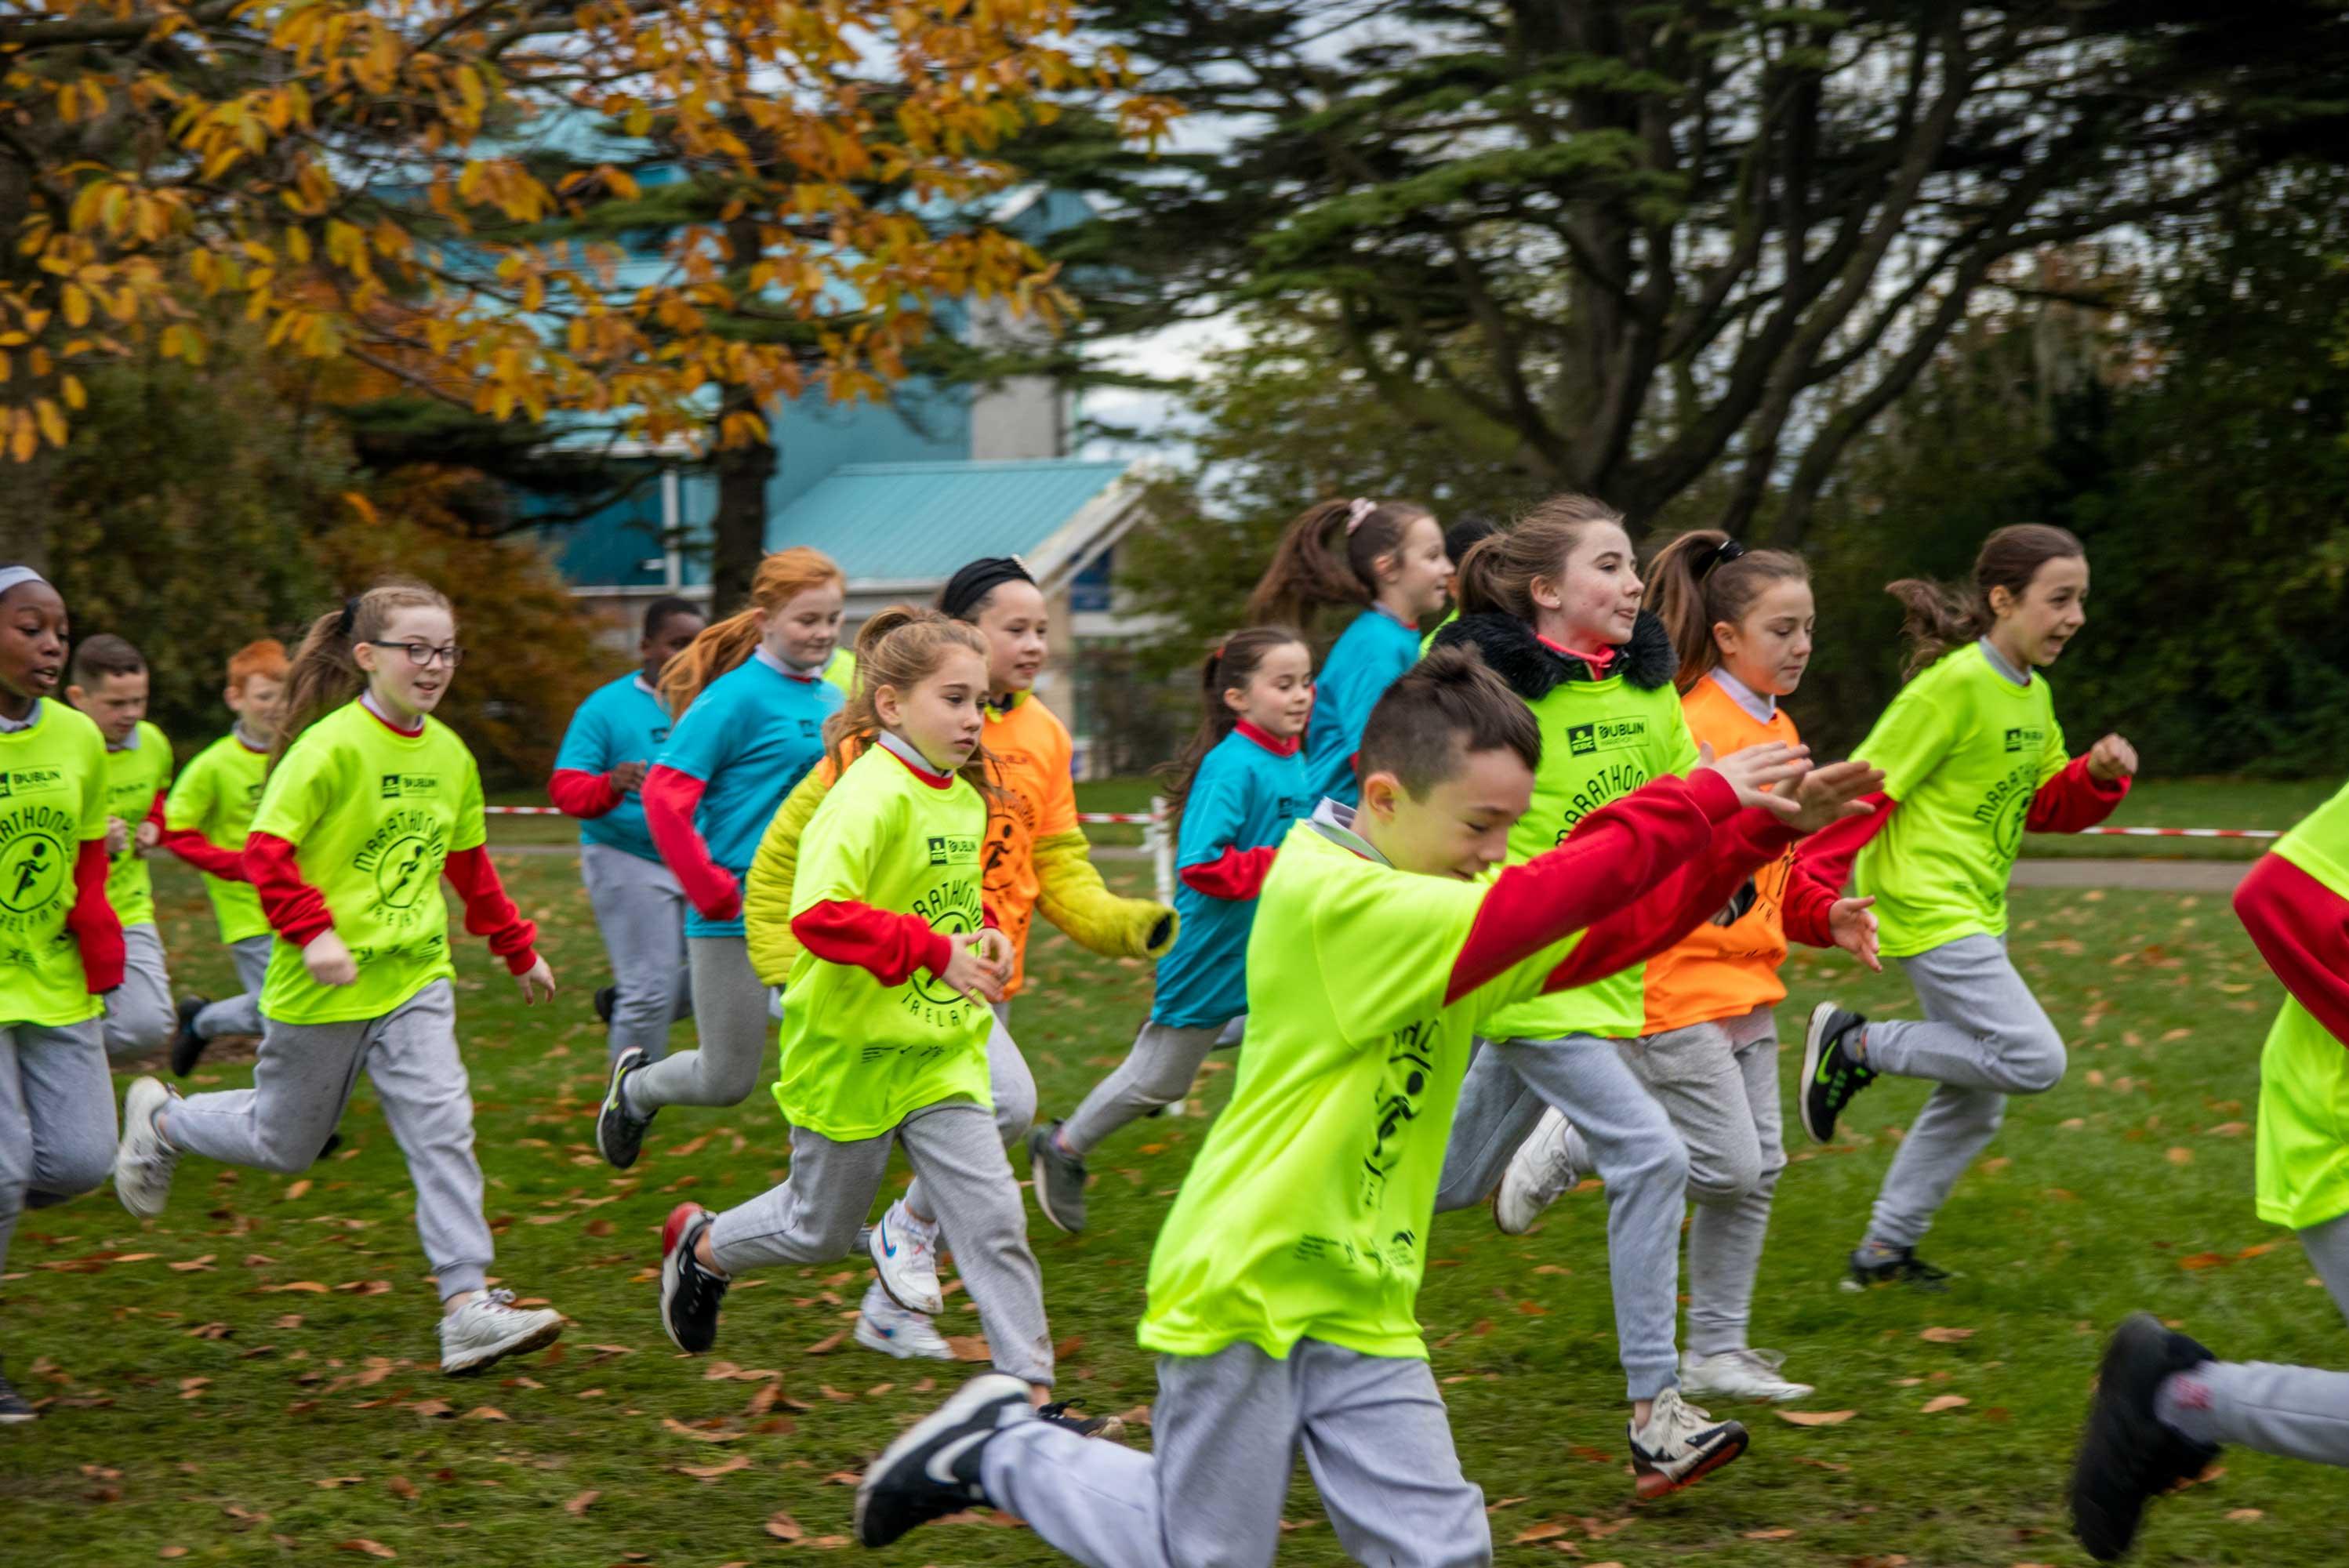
(974, 971)
(329, 961)
(1827, 794)
(537, 983)
(2112, 759)
(146, 839)
(996, 947)
(1852, 924)
(628, 778)
(1752, 769)
(118, 838)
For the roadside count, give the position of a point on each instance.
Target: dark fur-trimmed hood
(1532, 668)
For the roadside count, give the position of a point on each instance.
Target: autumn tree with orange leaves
(397, 185)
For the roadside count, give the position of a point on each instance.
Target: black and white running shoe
(691, 1294)
(619, 1132)
(1831, 1074)
(932, 1469)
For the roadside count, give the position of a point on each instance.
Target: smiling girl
(60, 944)
(1973, 759)
(370, 803)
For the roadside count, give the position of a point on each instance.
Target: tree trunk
(739, 534)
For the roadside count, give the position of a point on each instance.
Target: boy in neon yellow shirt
(1283, 1288)
(110, 684)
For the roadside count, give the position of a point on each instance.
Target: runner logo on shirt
(2008, 803)
(35, 863)
(405, 856)
(407, 786)
(954, 909)
(1606, 735)
(1409, 1068)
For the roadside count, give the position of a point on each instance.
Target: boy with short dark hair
(109, 683)
(1284, 1284)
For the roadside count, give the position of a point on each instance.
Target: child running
(60, 944)
(599, 778)
(1283, 1288)
(752, 702)
(1741, 623)
(1036, 857)
(1972, 760)
(110, 684)
(205, 820)
(1385, 557)
(884, 1037)
(370, 803)
(2164, 1405)
(1234, 792)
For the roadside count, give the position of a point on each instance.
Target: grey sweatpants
(57, 1117)
(139, 1013)
(1157, 1071)
(240, 1015)
(640, 911)
(1225, 1431)
(1985, 1037)
(1010, 1086)
(814, 1218)
(1633, 1148)
(2300, 1412)
(731, 1034)
(304, 1075)
(1719, 1084)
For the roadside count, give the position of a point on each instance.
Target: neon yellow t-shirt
(2303, 1152)
(134, 776)
(1306, 1214)
(841, 671)
(215, 797)
(1601, 740)
(859, 1057)
(1963, 751)
(52, 800)
(373, 815)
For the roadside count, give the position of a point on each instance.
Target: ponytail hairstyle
(1497, 574)
(1231, 663)
(1944, 616)
(1702, 578)
(324, 676)
(723, 644)
(1328, 555)
(901, 647)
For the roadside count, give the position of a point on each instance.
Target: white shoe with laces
(889, 1328)
(144, 1161)
(1543, 1167)
(1680, 1445)
(904, 1253)
(489, 1328)
(1741, 1374)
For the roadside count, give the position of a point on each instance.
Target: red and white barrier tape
(2188, 832)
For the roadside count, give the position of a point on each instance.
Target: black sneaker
(14, 1408)
(186, 1043)
(932, 1469)
(619, 1132)
(605, 998)
(2126, 1455)
(1831, 1075)
(1873, 1265)
(691, 1294)
(1061, 1413)
(334, 1141)
(1059, 1179)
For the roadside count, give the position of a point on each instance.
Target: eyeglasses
(424, 655)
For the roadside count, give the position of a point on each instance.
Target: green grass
(212, 1409)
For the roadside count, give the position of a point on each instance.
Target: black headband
(966, 588)
(1727, 550)
(349, 619)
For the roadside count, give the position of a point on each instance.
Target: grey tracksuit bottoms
(57, 1117)
(138, 1015)
(1224, 1433)
(2300, 1412)
(241, 1014)
(640, 911)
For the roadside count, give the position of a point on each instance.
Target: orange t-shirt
(1725, 971)
(1033, 751)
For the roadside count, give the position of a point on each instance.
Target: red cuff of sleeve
(489, 911)
(2075, 799)
(96, 929)
(670, 798)
(203, 854)
(888, 947)
(1238, 874)
(578, 793)
(296, 910)
(2302, 928)
(1823, 865)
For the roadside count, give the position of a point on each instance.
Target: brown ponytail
(900, 647)
(1498, 573)
(1330, 555)
(324, 674)
(723, 644)
(1944, 616)
(1702, 578)
(1233, 663)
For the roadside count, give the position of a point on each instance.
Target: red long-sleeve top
(2302, 928)
(96, 930)
(194, 848)
(579, 793)
(671, 798)
(2074, 799)
(297, 910)
(1237, 874)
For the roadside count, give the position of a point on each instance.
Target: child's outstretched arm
(489, 911)
(96, 929)
(2302, 928)
(767, 894)
(1074, 898)
(2084, 793)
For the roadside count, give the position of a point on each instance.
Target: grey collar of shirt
(1998, 661)
(1335, 822)
(909, 753)
(32, 717)
(1760, 706)
(782, 667)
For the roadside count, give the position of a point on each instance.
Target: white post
(1162, 849)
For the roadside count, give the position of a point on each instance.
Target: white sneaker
(1742, 1374)
(892, 1330)
(1680, 1446)
(1542, 1168)
(143, 1163)
(490, 1327)
(905, 1251)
